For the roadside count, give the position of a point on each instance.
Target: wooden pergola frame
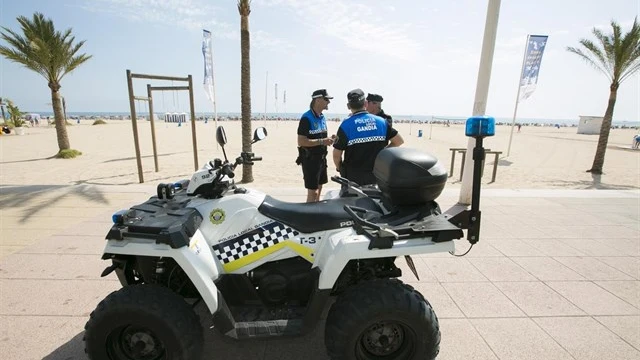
(149, 99)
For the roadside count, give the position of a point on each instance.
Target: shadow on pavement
(595, 183)
(216, 346)
(145, 156)
(28, 197)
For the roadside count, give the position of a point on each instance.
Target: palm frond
(600, 64)
(42, 48)
(629, 50)
(616, 54)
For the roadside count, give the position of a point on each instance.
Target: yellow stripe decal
(253, 257)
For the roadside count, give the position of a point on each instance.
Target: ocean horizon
(329, 115)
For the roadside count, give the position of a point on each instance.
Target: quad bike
(265, 268)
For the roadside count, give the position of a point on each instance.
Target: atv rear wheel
(382, 320)
(143, 322)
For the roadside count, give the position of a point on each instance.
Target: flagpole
(266, 89)
(210, 88)
(213, 83)
(515, 110)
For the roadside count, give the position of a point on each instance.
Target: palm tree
(617, 55)
(51, 54)
(244, 8)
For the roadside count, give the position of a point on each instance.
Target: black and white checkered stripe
(253, 241)
(366, 140)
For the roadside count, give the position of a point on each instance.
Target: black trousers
(314, 170)
(358, 176)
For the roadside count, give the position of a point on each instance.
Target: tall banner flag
(531, 65)
(276, 99)
(209, 86)
(529, 73)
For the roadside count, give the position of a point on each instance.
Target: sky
(421, 56)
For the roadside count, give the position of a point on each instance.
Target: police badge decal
(216, 216)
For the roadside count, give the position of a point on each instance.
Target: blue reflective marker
(480, 126)
(181, 184)
(118, 217)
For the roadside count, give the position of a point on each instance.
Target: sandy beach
(541, 157)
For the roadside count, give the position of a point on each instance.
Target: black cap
(355, 96)
(374, 97)
(321, 93)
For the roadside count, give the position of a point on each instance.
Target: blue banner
(531, 65)
(208, 65)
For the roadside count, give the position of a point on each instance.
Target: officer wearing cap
(312, 144)
(374, 106)
(361, 137)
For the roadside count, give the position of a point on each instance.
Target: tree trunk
(598, 160)
(61, 127)
(245, 91)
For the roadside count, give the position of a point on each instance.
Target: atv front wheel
(143, 322)
(382, 319)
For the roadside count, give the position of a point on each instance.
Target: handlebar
(227, 170)
(220, 168)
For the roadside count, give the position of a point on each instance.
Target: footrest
(266, 329)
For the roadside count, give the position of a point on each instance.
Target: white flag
(208, 65)
(531, 65)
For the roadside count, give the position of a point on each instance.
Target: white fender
(196, 261)
(346, 245)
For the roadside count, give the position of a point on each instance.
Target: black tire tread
(369, 297)
(156, 301)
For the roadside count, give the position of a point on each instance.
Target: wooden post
(153, 128)
(453, 160)
(134, 124)
(193, 124)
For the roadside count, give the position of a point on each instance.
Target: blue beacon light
(118, 217)
(480, 126)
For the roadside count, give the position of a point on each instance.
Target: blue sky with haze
(422, 56)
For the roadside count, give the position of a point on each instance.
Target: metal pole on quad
(477, 127)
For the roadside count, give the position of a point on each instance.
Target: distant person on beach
(636, 141)
(519, 126)
(374, 106)
(312, 144)
(361, 137)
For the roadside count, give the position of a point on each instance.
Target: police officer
(312, 144)
(374, 106)
(361, 137)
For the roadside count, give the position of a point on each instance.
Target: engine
(283, 281)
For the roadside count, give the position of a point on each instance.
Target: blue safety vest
(363, 127)
(317, 124)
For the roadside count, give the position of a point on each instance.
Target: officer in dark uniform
(374, 106)
(312, 144)
(361, 137)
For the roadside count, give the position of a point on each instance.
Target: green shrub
(15, 114)
(99, 122)
(68, 154)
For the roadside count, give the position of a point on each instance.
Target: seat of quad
(317, 216)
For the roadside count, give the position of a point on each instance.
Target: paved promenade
(556, 275)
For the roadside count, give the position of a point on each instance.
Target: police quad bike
(265, 268)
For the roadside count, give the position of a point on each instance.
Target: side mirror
(221, 136)
(259, 134)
